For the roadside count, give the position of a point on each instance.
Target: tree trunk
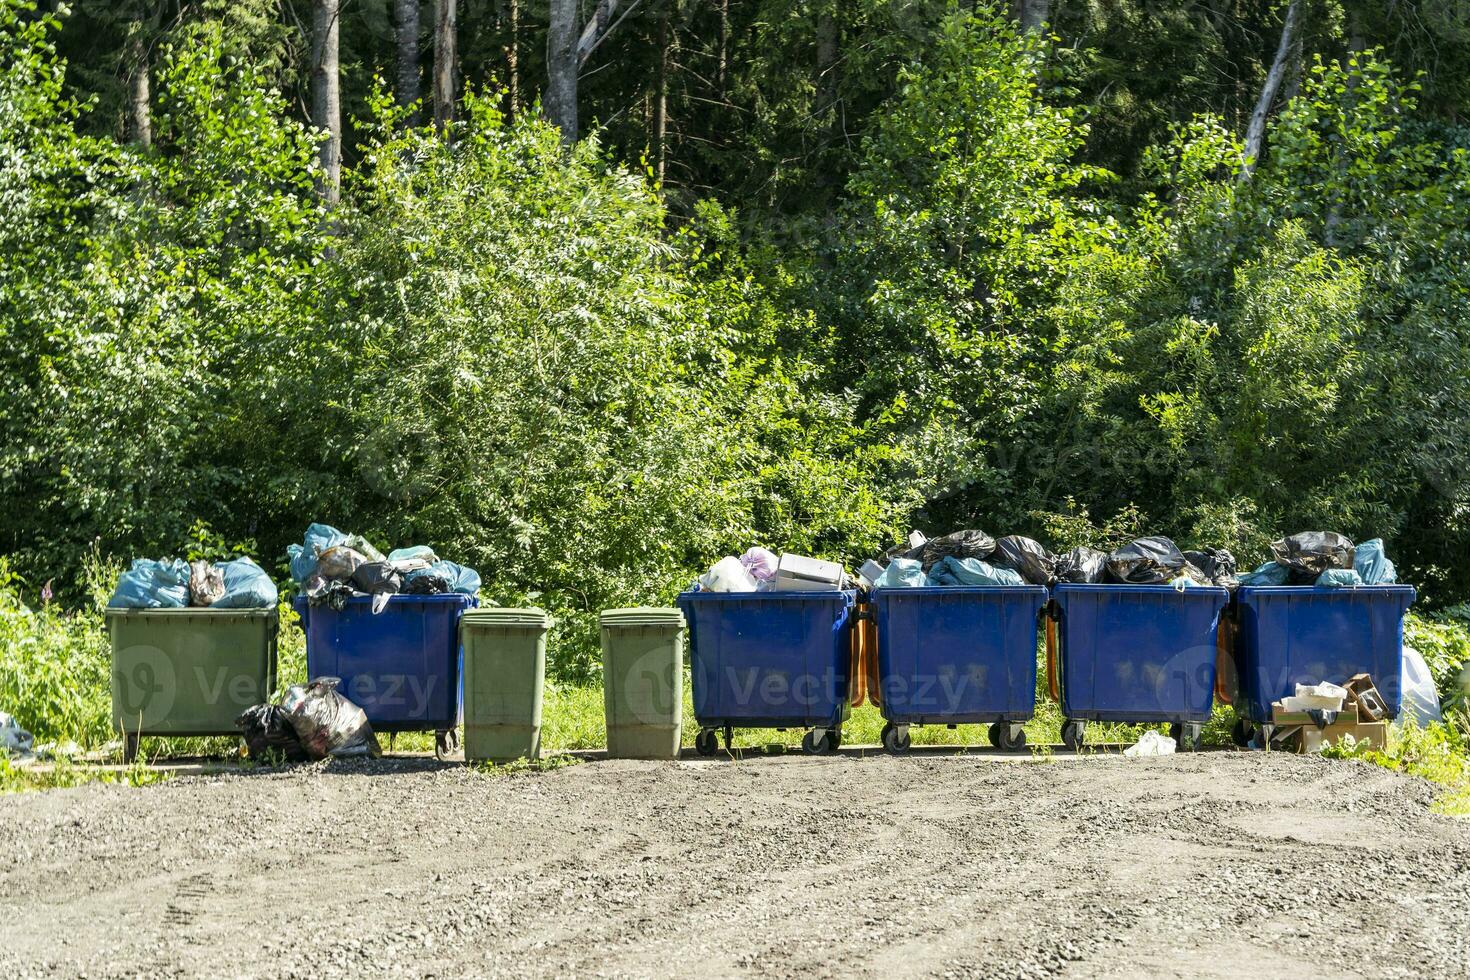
(139, 106)
(1256, 133)
(560, 103)
(1032, 14)
(406, 14)
(444, 62)
(513, 60)
(661, 97)
(326, 95)
(720, 68)
(826, 62)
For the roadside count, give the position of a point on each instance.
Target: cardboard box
(1296, 731)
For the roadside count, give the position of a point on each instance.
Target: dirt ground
(1216, 865)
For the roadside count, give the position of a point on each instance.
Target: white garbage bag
(728, 575)
(1421, 700)
(1152, 743)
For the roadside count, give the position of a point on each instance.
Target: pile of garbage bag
(331, 567)
(173, 583)
(313, 721)
(760, 570)
(975, 558)
(1324, 558)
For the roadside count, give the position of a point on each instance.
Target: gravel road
(1216, 865)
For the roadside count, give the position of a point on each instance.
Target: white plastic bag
(1421, 700)
(728, 575)
(1152, 743)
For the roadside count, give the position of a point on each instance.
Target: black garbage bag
(960, 544)
(426, 583)
(1310, 553)
(327, 723)
(1030, 558)
(1081, 566)
(1146, 561)
(1217, 565)
(267, 730)
(320, 591)
(379, 579)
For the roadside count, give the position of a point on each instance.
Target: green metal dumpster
(178, 672)
(504, 672)
(642, 682)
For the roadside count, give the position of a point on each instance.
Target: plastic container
(955, 656)
(643, 682)
(770, 660)
(1289, 635)
(400, 666)
(179, 672)
(504, 676)
(1137, 654)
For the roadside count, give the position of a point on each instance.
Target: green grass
(62, 774)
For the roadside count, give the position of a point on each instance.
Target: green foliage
(55, 668)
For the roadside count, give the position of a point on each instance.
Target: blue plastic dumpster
(957, 656)
(1137, 654)
(770, 660)
(1288, 635)
(400, 666)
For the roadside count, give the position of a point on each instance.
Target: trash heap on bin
(172, 583)
(331, 567)
(972, 557)
(1324, 558)
(759, 570)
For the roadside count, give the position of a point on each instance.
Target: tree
(1256, 132)
(406, 27)
(139, 99)
(560, 101)
(326, 94)
(445, 62)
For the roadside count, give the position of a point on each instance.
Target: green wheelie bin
(642, 682)
(190, 671)
(504, 673)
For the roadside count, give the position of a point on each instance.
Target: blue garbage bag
(247, 586)
(418, 551)
(456, 578)
(152, 584)
(1269, 573)
(319, 537)
(972, 571)
(1338, 578)
(1373, 565)
(902, 573)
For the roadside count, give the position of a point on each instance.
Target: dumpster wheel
(1241, 732)
(1186, 736)
(446, 740)
(130, 747)
(1074, 732)
(820, 741)
(707, 742)
(896, 738)
(1007, 737)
